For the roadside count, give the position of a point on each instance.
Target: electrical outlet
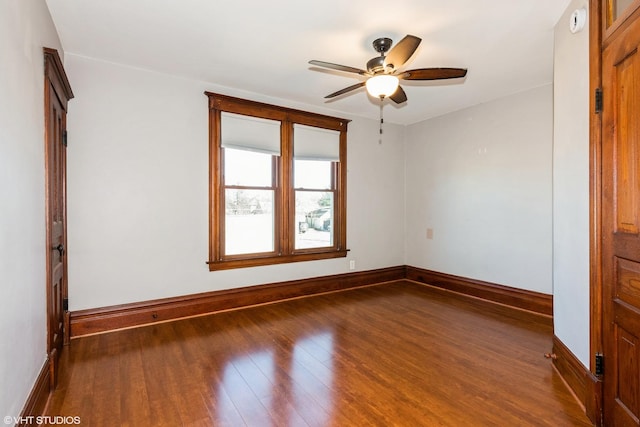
(429, 233)
(352, 265)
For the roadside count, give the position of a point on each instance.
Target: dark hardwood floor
(396, 354)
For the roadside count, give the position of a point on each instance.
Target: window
(277, 184)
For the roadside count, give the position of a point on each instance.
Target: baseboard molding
(517, 298)
(104, 319)
(586, 386)
(39, 397)
(93, 321)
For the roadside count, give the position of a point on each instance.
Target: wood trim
(517, 298)
(37, 401)
(586, 387)
(275, 112)
(54, 71)
(593, 402)
(611, 24)
(104, 319)
(593, 399)
(92, 321)
(283, 250)
(274, 259)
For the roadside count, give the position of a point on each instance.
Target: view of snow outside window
(249, 203)
(314, 204)
(249, 218)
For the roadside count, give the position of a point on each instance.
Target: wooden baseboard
(517, 298)
(87, 322)
(38, 398)
(98, 320)
(586, 386)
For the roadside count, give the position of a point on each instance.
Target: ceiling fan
(383, 75)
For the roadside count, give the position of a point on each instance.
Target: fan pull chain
(381, 122)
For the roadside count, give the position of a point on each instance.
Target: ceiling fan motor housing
(376, 65)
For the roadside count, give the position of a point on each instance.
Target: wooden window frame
(284, 198)
(611, 20)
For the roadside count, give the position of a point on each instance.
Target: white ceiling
(263, 46)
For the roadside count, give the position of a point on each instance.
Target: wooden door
(57, 92)
(621, 225)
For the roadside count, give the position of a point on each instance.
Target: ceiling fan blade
(338, 67)
(399, 96)
(401, 52)
(433, 73)
(345, 90)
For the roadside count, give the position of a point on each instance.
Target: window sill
(271, 260)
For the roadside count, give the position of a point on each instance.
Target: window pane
(249, 221)
(314, 174)
(247, 168)
(314, 219)
(620, 7)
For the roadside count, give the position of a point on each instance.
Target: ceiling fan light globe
(382, 85)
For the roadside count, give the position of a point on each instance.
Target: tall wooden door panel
(56, 92)
(56, 166)
(621, 227)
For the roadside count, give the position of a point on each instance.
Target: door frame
(56, 84)
(594, 401)
(600, 34)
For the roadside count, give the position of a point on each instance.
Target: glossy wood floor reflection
(398, 354)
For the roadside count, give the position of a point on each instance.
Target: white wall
(480, 178)
(25, 27)
(571, 186)
(138, 190)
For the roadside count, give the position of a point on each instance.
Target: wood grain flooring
(396, 354)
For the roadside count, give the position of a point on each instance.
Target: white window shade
(312, 143)
(250, 133)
